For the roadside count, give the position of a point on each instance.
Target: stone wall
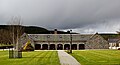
(96, 42)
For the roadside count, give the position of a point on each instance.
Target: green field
(97, 57)
(85, 57)
(31, 58)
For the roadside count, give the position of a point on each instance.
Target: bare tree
(16, 30)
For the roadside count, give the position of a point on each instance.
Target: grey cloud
(79, 15)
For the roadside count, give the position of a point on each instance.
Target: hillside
(34, 30)
(27, 29)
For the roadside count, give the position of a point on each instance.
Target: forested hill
(34, 30)
(28, 29)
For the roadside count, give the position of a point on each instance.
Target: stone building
(63, 41)
(58, 41)
(96, 41)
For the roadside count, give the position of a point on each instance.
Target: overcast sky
(82, 16)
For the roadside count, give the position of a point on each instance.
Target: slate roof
(59, 37)
(113, 40)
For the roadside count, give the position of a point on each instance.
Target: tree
(16, 30)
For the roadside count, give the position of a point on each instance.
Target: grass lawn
(97, 57)
(31, 58)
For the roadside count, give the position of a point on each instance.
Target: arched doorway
(81, 46)
(59, 47)
(52, 46)
(74, 46)
(37, 46)
(45, 46)
(66, 46)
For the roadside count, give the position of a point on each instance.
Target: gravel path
(66, 59)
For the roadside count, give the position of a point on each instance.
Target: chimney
(55, 31)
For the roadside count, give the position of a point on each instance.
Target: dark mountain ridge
(34, 30)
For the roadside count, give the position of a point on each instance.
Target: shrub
(28, 46)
